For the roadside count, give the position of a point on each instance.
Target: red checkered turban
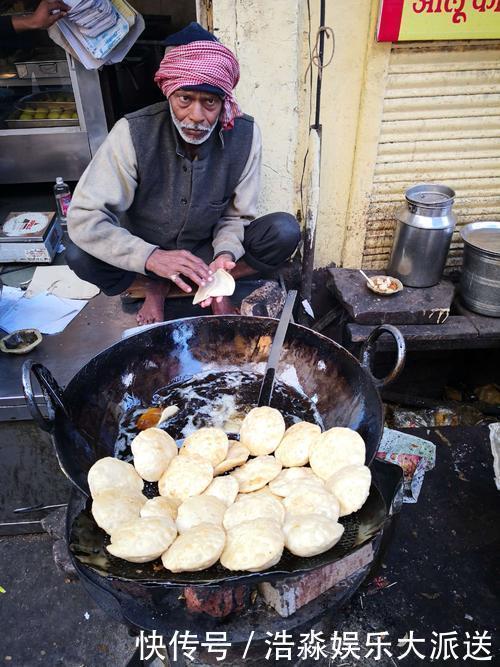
(199, 63)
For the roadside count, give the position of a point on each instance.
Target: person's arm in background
(41, 19)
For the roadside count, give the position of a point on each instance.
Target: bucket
(480, 279)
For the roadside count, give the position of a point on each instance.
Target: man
(171, 195)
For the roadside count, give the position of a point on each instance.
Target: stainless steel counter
(99, 325)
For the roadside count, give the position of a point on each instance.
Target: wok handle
(51, 391)
(368, 350)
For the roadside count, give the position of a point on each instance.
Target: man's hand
(172, 264)
(43, 16)
(224, 261)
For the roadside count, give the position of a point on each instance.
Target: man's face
(196, 112)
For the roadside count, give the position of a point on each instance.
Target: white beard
(189, 126)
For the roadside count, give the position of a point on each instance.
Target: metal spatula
(266, 389)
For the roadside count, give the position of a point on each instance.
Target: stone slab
(430, 305)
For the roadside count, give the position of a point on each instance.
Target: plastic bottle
(62, 194)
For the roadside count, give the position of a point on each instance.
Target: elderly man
(171, 195)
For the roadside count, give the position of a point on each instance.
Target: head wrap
(202, 63)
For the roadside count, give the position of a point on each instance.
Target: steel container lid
(430, 195)
(484, 235)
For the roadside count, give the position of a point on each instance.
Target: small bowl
(395, 281)
(21, 341)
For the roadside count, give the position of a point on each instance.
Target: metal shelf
(30, 83)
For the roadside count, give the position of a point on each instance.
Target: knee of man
(287, 230)
(77, 260)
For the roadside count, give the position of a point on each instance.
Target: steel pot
(480, 279)
(422, 238)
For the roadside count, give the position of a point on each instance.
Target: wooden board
(487, 327)
(429, 306)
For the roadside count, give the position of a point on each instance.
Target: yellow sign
(407, 20)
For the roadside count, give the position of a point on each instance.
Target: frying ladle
(267, 386)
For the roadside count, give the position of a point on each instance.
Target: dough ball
(253, 545)
(144, 539)
(114, 507)
(335, 449)
(294, 449)
(111, 473)
(237, 454)
(311, 534)
(287, 480)
(262, 430)
(200, 509)
(153, 449)
(351, 486)
(210, 443)
(254, 506)
(196, 549)
(312, 500)
(160, 506)
(185, 476)
(224, 488)
(256, 473)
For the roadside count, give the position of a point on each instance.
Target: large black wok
(316, 379)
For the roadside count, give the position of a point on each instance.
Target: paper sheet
(45, 312)
(60, 281)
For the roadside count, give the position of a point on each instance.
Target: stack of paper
(91, 47)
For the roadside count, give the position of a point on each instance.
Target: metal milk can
(423, 235)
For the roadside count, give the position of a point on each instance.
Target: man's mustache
(195, 126)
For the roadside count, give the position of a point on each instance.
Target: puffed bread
(153, 449)
(351, 487)
(196, 549)
(295, 446)
(254, 506)
(262, 430)
(160, 506)
(256, 473)
(334, 449)
(114, 507)
(311, 534)
(199, 509)
(210, 443)
(110, 473)
(186, 476)
(287, 480)
(253, 546)
(224, 488)
(237, 454)
(142, 540)
(312, 500)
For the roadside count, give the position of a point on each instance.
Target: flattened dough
(253, 546)
(262, 430)
(351, 486)
(185, 476)
(254, 506)
(256, 473)
(111, 473)
(296, 444)
(287, 480)
(312, 500)
(200, 509)
(222, 285)
(160, 506)
(336, 448)
(144, 539)
(114, 507)
(196, 549)
(210, 443)
(311, 534)
(224, 488)
(237, 454)
(153, 449)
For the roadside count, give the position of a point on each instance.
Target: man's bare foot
(152, 309)
(225, 307)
